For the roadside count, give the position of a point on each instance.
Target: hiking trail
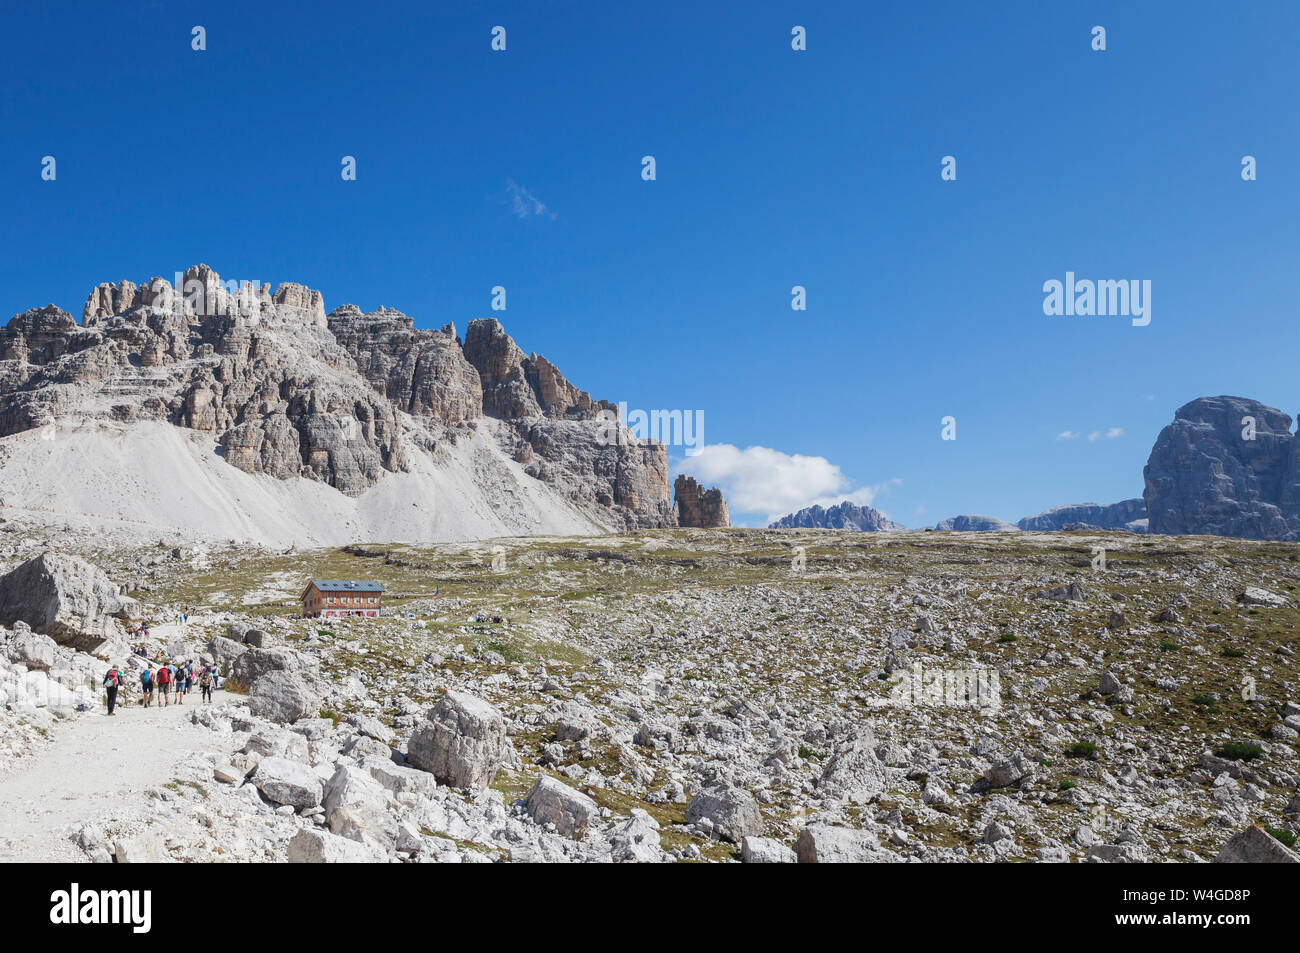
(94, 768)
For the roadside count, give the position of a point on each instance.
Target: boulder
(282, 697)
(363, 746)
(371, 728)
(1255, 845)
(25, 647)
(1108, 684)
(253, 663)
(356, 806)
(1071, 592)
(288, 782)
(61, 596)
(399, 779)
(354, 787)
(572, 812)
(765, 850)
(732, 812)
(854, 773)
(1254, 596)
(144, 848)
(224, 651)
(1011, 771)
(825, 844)
(272, 742)
(636, 840)
(322, 847)
(462, 742)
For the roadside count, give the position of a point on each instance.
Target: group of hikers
(167, 684)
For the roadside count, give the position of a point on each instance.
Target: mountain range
(219, 411)
(235, 412)
(1225, 466)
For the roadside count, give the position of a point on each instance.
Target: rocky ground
(724, 695)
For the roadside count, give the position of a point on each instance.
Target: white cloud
(524, 203)
(1094, 436)
(762, 480)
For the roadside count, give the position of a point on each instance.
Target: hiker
(111, 682)
(178, 683)
(146, 686)
(164, 681)
(205, 683)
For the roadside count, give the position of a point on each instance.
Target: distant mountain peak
(844, 515)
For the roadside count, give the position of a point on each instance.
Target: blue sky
(775, 168)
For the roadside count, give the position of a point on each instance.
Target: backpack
(205, 678)
(164, 676)
(111, 679)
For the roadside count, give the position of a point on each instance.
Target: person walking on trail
(112, 681)
(146, 686)
(164, 680)
(178, 683)
(205, 683)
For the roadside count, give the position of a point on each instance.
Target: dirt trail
(94, 769)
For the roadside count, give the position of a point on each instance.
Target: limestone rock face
(61, 596)
(500, 365)
(261, 373)
(1128, 515)
(563, 437)
(462, 743)
(697, 507)
(1207, 476)
(423, 373)
(344, 399)
(846, 515)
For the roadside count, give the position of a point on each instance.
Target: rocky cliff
(1127, 515)
(844, 515)
(563, 437)
(1226, 466)
(697, 507)
(210, 361)
(972, 523)
(344, 399)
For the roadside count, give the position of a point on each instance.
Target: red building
(333, 598)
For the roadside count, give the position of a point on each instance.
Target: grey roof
(347, 585)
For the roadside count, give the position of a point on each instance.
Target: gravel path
(95, 768)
